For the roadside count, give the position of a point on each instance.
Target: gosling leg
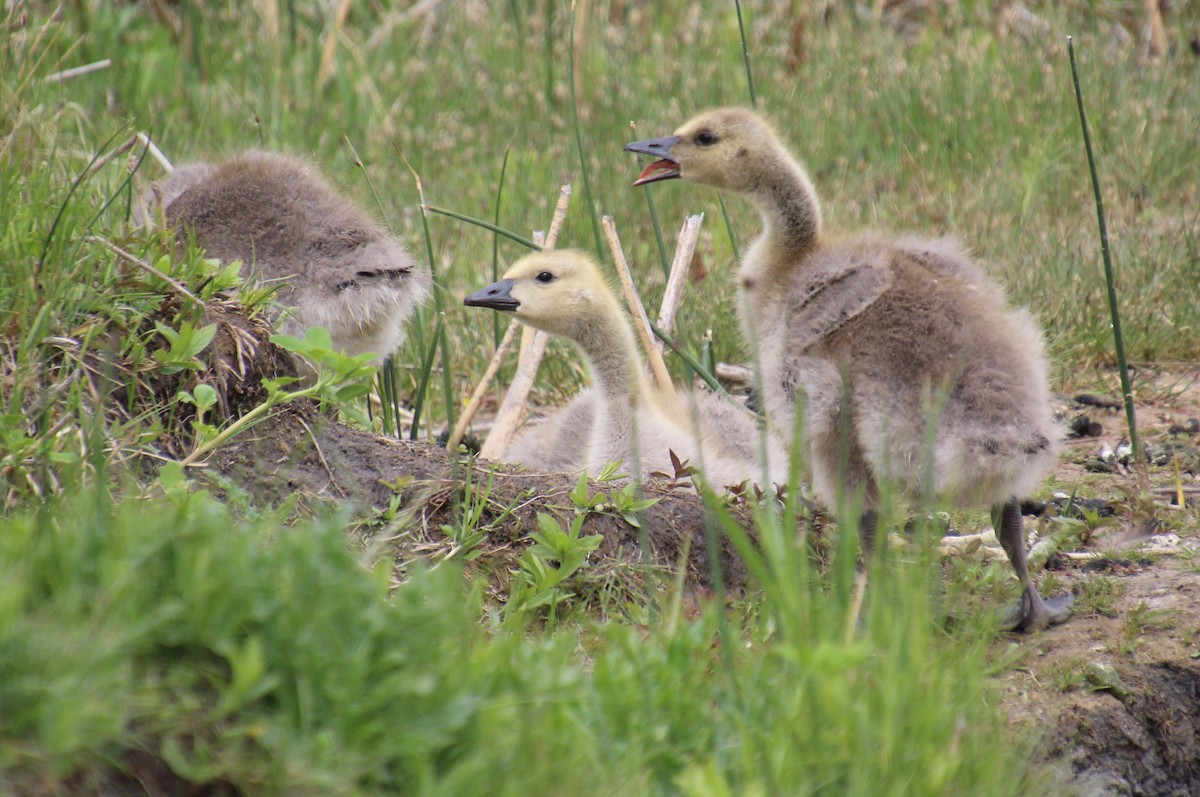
(867, 523)
(1031, 612)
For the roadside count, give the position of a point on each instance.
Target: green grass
(236, 649)
(269, 659)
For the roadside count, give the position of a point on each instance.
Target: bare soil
(1115, 693)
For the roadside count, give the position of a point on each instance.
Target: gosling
(877, 335)
(626, 419)
(334, 265)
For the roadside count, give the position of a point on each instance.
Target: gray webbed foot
(1034, 613)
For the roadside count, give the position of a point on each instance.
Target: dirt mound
(300, 451)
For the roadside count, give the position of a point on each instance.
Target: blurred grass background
(923, 120)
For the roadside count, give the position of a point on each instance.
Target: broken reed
(1109, 279)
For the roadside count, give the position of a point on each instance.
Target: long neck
(791, 218)
(611, 352)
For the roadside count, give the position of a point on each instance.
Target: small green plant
(185, 344)
(547, 567)
(627, 502)
(203, 397)
(1066, 675)
(1097, 594)
(469, 529)
(340, 379)
(1138, 620)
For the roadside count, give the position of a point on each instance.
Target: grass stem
(496, 236)
(439, 337)
(583, 166)
(487, 225)
(1109, 279)
(688, 357)
(746, 54)
(663, 260)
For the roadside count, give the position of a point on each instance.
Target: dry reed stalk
(339, 19)
(136, 138)
(144, 266)
(476, 400)
(641, 321)
(533, 348)
(680, 265)
(67, 74)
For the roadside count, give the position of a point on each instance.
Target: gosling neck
(791, 217)
(609, 347)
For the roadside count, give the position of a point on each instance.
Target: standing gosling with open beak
(885, 328)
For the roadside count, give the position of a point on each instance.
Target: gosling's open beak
(497, 296)
(666, 168)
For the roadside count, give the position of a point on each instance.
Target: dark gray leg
(867, 523)
(1031, 613)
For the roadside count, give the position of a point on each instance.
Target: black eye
(544, 277)
(706, 138)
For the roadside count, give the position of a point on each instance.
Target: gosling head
(729, 148)
(560, 291)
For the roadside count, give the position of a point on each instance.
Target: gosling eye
(544, 277)
(706, 138)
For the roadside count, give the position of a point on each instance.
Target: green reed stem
(423, 387)
(583, 167)
(737, 255)
(496, 239)
(688, 358)
(1118, 338)
(487, 225)
(658, 236)
(746, 54)
(439, 337)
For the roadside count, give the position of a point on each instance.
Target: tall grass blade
(688, 357)
(439, 338)
(746, 54)
(583, 166)
(496, 236)
(663, 258)
(1110, 282)
(370, 183)
(62, 208)
(737, 255)
(423, 384)
(125, 183)
(487, 225)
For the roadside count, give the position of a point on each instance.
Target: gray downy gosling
(885, 327)
(335, 266)
(623, 417)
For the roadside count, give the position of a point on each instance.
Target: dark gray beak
(497, 296)
(665, 168)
